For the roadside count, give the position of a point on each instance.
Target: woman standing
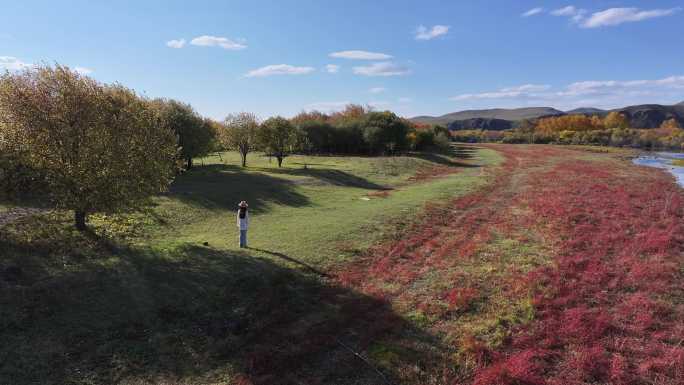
(243, 223)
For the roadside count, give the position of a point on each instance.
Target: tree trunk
(189, 163)
(244, 159)
(280, 161)
(80, 220)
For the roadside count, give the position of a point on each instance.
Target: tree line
(356, 130)
(611, 130)
(92, 147)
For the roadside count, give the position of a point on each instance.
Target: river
(663, 160)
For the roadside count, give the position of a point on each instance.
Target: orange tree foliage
(556, 124)
(616, 120)
(670, 123)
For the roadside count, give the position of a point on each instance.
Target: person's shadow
(293, 260)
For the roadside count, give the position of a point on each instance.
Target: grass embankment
(142, 300)
(559, 265)
(567, 268)
(313, 214)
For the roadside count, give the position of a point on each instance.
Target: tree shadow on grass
(463, 151)
(455, 156)
(189, 315)
(330, 176)
(223, 186)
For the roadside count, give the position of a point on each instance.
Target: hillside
(640, 116)
(494, 113)
(587, 111)
(481, 124)
(652, 115)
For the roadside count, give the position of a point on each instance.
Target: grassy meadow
(494, 265)
(164, 295)
(316, 209)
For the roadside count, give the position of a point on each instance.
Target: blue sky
(417, 57)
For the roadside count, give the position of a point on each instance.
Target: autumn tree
(195, 137)
(100, 147)
(277, 137)
(350, 112)
(616, 120)
(239, 132)
(556, 124)
(597, 123)
(670, 124)
(385, 131)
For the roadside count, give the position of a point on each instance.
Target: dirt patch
(14, 214)
(379, 194)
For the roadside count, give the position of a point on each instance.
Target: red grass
(615, 310)
(608, 310)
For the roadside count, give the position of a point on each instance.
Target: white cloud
(332, 68)
(595, 93)
(532, 12)
(327, 106)
(279, 69)
(11, 63)
(180, 43)
(570, 10)
(505, 93)
(376, 90)
(83, 70)
(404, 100)
(575, 14)
(422, 33)
(527, 88)
(214, 41)
(594, 87)
(360, 55)
(382, 69)
(616, 16)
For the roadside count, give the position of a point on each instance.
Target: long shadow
(222, 186)
(147, 316)
(293, 260)
(330, 176)
(445, 160)
(455, 156)
(462, 151)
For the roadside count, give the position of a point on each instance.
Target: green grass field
(313, 214)
(143, 300)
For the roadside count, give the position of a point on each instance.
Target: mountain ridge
(511, 114)
(587, 111)
(640, 116)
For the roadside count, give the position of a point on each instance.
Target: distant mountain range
(587, 111)
(641, 116)
(495, 113)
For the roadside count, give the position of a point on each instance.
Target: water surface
(663, 160)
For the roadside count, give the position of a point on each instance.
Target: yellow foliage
(616, 120)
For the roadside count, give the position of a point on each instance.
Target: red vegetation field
(611, 308)
(567, 268)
